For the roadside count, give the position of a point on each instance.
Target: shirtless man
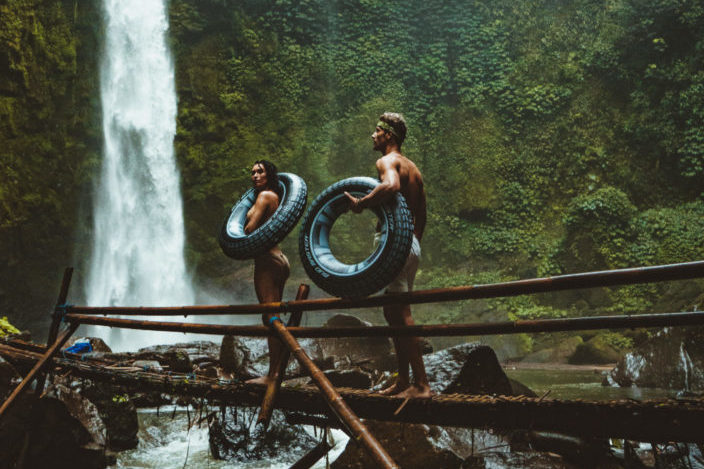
(399, 174)
(271, 269)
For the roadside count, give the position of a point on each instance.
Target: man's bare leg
(394, 316)
(412, 354)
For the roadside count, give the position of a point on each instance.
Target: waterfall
(139, 237)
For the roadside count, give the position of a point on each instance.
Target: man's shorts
(404, 280)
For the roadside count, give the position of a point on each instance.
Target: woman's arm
(267, 202)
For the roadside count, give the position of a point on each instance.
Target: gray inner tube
(380, 267)
(237, 244)
(320, 237)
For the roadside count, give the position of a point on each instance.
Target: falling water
(137, 256)
(686, 362)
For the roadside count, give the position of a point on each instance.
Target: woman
(271, 269)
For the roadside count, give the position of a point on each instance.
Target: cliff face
(50, 137)
(552, 138)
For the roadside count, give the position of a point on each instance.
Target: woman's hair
(272, 175)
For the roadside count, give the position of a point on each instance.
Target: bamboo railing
(77, 315)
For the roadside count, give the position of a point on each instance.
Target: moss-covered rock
(596, 350)
(561, 353)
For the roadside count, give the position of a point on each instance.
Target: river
(167, 442)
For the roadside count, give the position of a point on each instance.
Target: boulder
(369, 352)
(558, 354)
(673, 358)
(595, 351)
(118, 411)
(349, 378)
(467, 368)
(8, 377)
(61, 430)
(411, 446)
(516, 460)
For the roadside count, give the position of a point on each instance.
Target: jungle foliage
(554, 137)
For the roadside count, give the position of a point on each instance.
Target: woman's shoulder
(268, 196)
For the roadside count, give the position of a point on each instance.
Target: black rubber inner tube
(380, 267)
(237, 244)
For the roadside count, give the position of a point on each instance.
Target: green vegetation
(555, 137)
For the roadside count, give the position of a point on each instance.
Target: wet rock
(350, 378)
(558, 354)
(197, 351)
(8, 376)
(411, 446)
(234, 437)
(467, 368)
(232, 358)
(516, 460)
(595, 351)
(148, 365)
(672, 359)
(118, 412)
(679, 456)
(520, 389)
(60, 430)
(178, 361)
(637, 456)
(370, 352)
(579, 451)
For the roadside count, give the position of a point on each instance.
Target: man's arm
(420, 216)
(389, 185)
(266, 203)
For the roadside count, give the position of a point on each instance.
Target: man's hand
(354, 203)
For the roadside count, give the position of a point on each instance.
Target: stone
(350, 378)
(369, 352)
(8, 376)
(467, 368)
(178, 361)
(558, 354)
(516, 460)
(232, 357)
(119, 413)
(147, 365)
(61, 430)
(412, 446)
(595, 351)
(673, 358)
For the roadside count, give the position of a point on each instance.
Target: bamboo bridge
(651, 421)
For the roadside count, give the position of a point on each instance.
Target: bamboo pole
(272, 389)
(687, 318)
(658, 273)
(311, 457)
(37, 368)
(334, 400)
(661, 421)
(56, 321)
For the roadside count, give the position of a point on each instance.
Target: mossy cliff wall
(554, 137)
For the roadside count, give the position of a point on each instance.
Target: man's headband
(386, 126)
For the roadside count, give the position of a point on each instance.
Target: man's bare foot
(394, 389)
(265, 380)
(416, 392)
